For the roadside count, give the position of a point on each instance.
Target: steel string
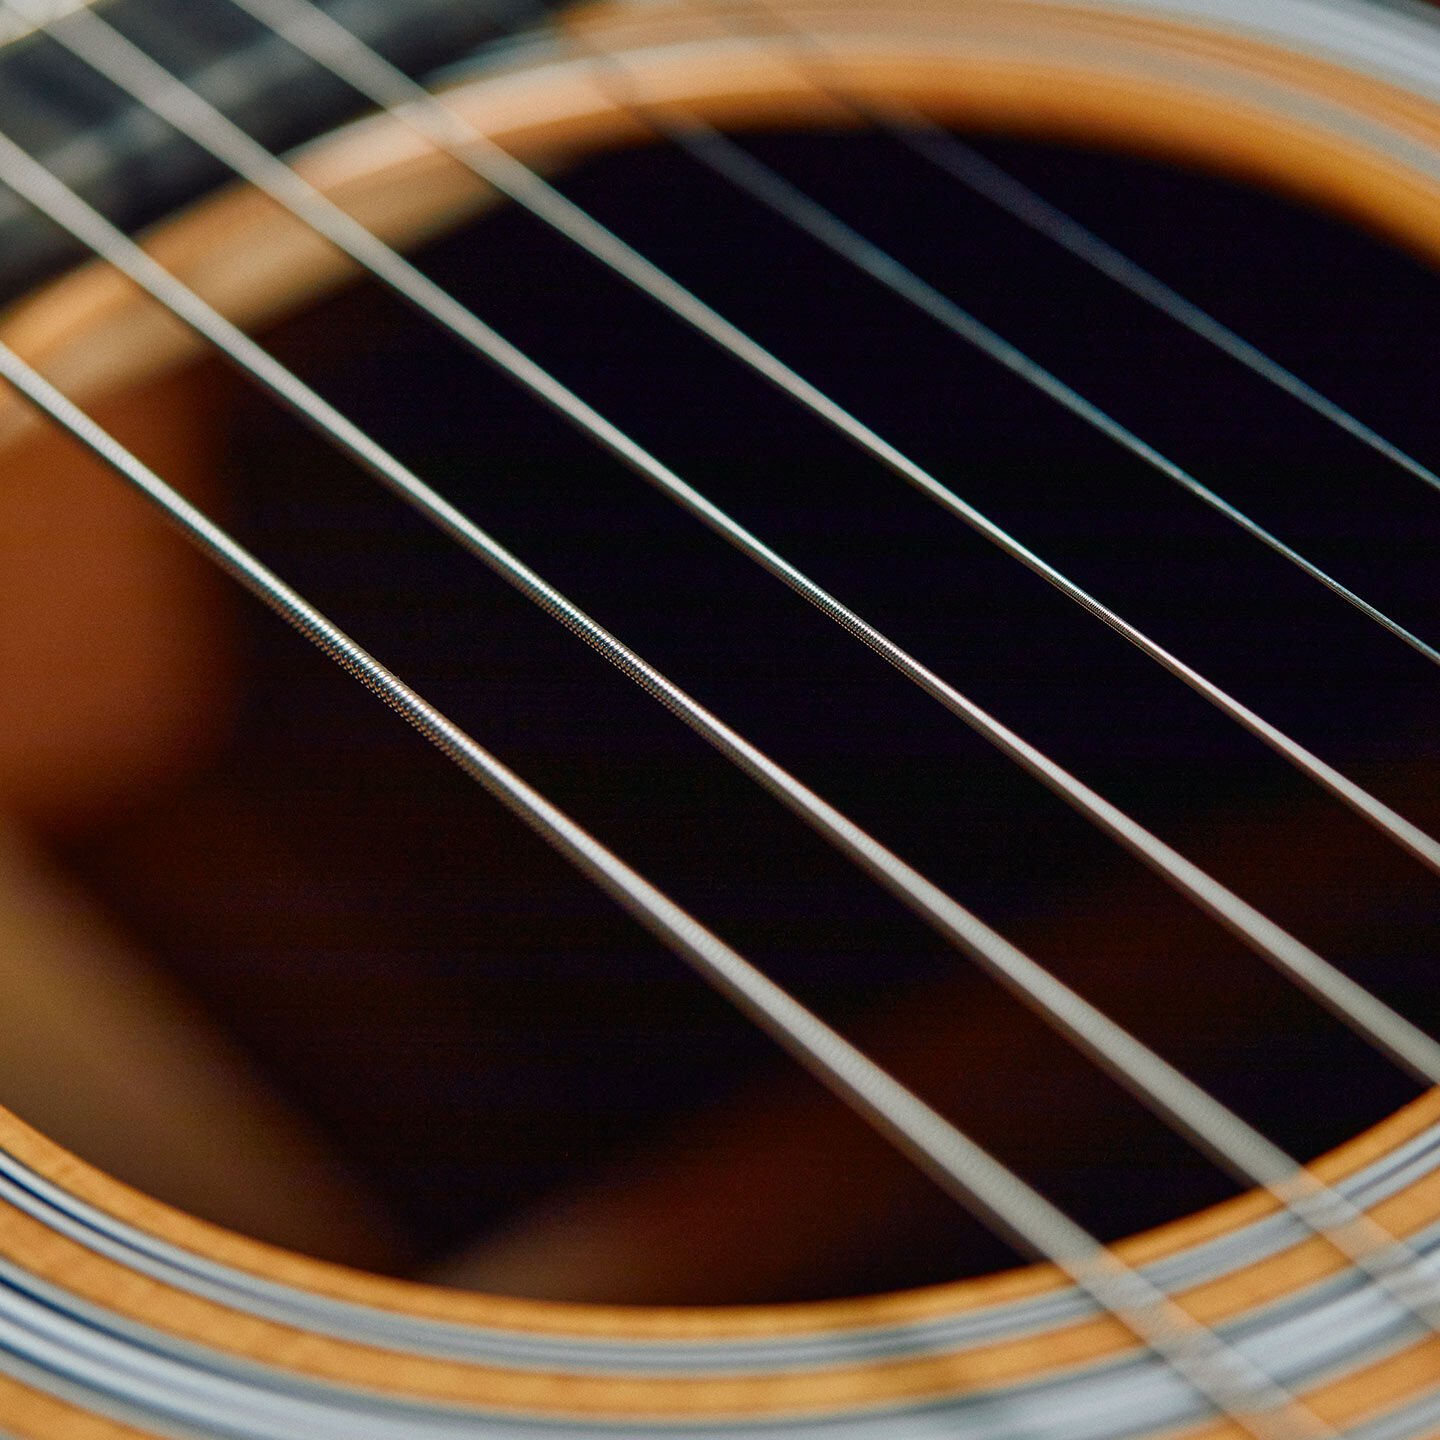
(721, 155)
(443, 308)
(964, 163)
(1222, 1134)
(189, 112)
(1221, 1375)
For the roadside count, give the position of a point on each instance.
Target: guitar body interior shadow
(513, 1073)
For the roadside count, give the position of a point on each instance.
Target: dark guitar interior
(480, 1031)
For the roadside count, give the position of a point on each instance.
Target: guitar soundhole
(482, 1034)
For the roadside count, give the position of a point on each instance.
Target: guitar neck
(132, 166)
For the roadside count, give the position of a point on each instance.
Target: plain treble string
(736, 166)
(1220, 1375)
(927, 138)
(1162, 1088)
(762, 182)
(964, 163)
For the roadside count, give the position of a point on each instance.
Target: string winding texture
(1219, 1373)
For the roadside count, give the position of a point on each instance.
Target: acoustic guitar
(998, 434)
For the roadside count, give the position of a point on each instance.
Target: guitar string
(1164, 1089)
(723, 157)
(763, 183)
(241, 153)
(1178, 1101)
(929, 139)
(966, 164)
(331, 44)
(1112, 1043)
(291, 191)
(1221, 1375)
